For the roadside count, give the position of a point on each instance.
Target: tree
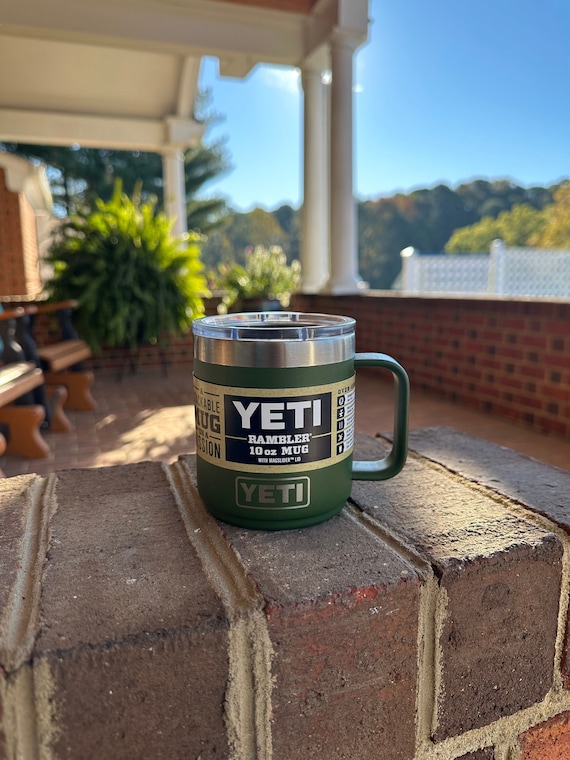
(383, 230)
(474, 238)
(555, 232)
(426, 219)
(201, 165)
(483, 198)
(518, 226)
(290, 222)
(241, 232)
(515, 227)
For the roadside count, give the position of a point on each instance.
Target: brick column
(428, 621)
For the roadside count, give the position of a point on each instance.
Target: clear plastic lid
(273, 326)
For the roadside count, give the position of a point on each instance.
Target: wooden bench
(20, 423)
(53, 397)
(61, 362)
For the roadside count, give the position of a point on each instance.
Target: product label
(270, 430)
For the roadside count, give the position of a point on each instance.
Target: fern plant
(134, 281)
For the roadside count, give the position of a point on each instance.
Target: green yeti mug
(274, 398)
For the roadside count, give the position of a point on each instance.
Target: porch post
(315, 213)
(344, 277)
(175, 189)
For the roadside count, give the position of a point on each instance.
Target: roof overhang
(123, 74)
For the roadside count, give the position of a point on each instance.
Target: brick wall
(428, 621)
(505, 356)
(19, 267)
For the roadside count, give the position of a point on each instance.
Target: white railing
(510, 271)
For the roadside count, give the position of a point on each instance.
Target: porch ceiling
(124, 73)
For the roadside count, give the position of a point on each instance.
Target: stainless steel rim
(274, 339)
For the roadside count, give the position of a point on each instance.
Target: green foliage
(134, 281)
(427, 218)
(242, 231)
(424, 218)
(475, 237)
(265, 274)
(520, 224)
(383, 227)
(555, 232)
(517, 227)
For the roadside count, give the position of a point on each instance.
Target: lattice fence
(529, 271)
(537, 272)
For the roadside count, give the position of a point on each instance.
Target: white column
(344, 277)
(496, 282)
(175, 189)
(410, 274)
(315, 216)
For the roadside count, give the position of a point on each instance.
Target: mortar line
(431, 610)
(22, 610)
(20, 720)
(508, 753)
(502, 733)
(22, 622)
(392, 538)
(248, 693)
(49, 729)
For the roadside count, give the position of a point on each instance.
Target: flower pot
(257, 304)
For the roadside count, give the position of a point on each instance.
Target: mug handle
(391, 465)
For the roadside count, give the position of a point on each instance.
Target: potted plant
(264, 283)
(134, 281)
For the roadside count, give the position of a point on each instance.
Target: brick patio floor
(149, 417)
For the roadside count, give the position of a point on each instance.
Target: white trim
(195, 28)
(187, 87)
(23, 177)
(45, 128)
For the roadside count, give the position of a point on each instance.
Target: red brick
(492, 336)
(556, 360)
(562, 394)
(156, 695)
(537, 372)
(534, 341)
(539, 487)
(547, 741)
(18, 242)
(131, 631)
(490, 363)
(528, 402)
(507, 381)
(510, 353)
(342, 614)
(555, 426)
(559, 328)
(496, 571)
(536, 485)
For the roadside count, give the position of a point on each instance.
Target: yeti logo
(259, 493)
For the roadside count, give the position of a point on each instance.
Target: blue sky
(444, 91)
